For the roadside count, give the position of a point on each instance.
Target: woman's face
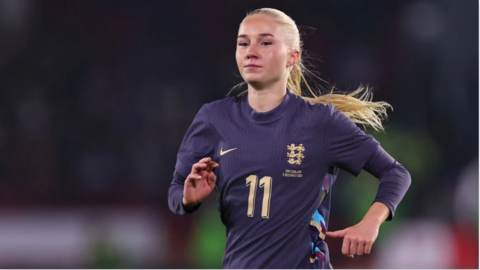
(262, 51)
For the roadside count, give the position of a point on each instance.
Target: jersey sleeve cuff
(390, 207)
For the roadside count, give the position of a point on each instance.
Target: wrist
(188, 204)
(372, 220)
(377, 214)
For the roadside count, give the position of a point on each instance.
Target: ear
(293, 57)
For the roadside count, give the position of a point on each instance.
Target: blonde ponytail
(358, 105)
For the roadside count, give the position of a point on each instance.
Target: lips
(251, 65)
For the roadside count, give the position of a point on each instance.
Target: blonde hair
(358, 105)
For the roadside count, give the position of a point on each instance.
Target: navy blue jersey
(275, 176)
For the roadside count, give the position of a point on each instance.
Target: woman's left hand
(358, 239)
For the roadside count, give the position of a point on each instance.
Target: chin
(260, 82)
(254, 79)
(256, 83)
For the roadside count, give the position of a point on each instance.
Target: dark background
(95, 97)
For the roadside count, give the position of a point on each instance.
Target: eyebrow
(262, 35)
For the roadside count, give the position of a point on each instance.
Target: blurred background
(95, 97)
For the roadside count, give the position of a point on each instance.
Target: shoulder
(218, 110)
(221, 105)
(320, 112)
(325, 116)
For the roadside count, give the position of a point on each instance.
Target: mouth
(252, 66)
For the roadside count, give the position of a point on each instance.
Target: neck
(267, 98)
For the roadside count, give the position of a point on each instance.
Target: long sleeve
(346, 145)
(197, 144)
(175, 196)
(394, 179)
(350, 149)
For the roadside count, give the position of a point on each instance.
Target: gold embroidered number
(266, 184)
(252, 182)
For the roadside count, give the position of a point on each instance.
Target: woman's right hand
(200, 182)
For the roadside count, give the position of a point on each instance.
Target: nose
(252, 52)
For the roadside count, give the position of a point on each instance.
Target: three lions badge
(295, 154)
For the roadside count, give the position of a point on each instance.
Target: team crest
(295, 154)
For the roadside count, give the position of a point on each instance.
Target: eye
(243, 44)
(266, 43)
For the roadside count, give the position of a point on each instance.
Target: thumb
(337, 234)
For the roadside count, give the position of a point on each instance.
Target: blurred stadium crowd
(95, 97)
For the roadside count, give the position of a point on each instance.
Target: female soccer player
(272, 156)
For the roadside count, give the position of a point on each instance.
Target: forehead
(258, 24)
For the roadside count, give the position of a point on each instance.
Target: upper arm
(346, 145)
(196, 144)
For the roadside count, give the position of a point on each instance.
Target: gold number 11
(266, 183)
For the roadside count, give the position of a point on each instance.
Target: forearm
(392, 188)
(394, 180)
(377, 214)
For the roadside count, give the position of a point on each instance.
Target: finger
(348, 256)
(353, 247)
(212, 179)
(360, 248)
(346, 246)
(193, 177)
(205, 160)
(199, 166)
(368, 247)
(212, 165)
(336, 234)
(191, 180)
